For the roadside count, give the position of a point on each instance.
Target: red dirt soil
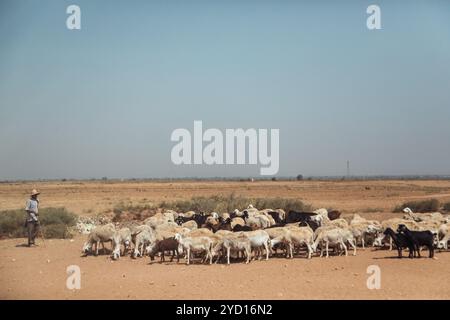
(40, 273)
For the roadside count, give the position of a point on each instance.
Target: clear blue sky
(103, 101)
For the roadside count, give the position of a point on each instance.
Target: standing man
(32, 222)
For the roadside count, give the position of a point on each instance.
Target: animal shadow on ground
(391, 257)
(22, 245)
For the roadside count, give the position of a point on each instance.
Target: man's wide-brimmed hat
(34, 192)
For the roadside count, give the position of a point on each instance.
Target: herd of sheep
(253, 233)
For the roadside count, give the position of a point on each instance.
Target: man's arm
(28, 206)
(33, 216)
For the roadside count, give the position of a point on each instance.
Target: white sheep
(159, 218)
(259, 221)
(237, 220)
(296, 237)
(199, 232)
(236, 244)
(361, 229)
(191, 225)
(444, 236)
(194, 245)
(123, 236)
(329, 237)
(100, 234)
(142, 240)
(259, 239)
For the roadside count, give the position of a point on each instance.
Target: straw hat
(34, 192)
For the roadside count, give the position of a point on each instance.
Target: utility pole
(348, 169)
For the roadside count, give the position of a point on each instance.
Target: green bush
(12, 223)
(429, 205)
(130, 209)
(446, 206)
(56, 231)
(55, 223)
(372, 210)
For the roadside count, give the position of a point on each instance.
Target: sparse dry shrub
(428, 205)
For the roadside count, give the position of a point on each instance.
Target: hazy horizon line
(247, 178)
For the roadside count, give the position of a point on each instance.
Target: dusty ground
(40, 273)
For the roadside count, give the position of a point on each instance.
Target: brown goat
(334, 214)
(170, 244)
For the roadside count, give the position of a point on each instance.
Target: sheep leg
(326, 247)
(219, 254)
(188, 253)
(291, 250)
(267, 250)
(362, 241)
(390, 243)
(247, 253)
(228, 255)
(309, 250)
(353, 246)
(96, 248)
(345, 248)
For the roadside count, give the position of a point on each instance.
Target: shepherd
(32, 221)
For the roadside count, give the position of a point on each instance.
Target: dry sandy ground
(40, 273)
(89, 198)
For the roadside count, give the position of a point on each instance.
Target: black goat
(200, 218)
(401, 241)
(239, 227)
(312, 224)
(294, 216)
(180, 220)
(281, 224)
(419, 238)
(276, 216)
(224, 224)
